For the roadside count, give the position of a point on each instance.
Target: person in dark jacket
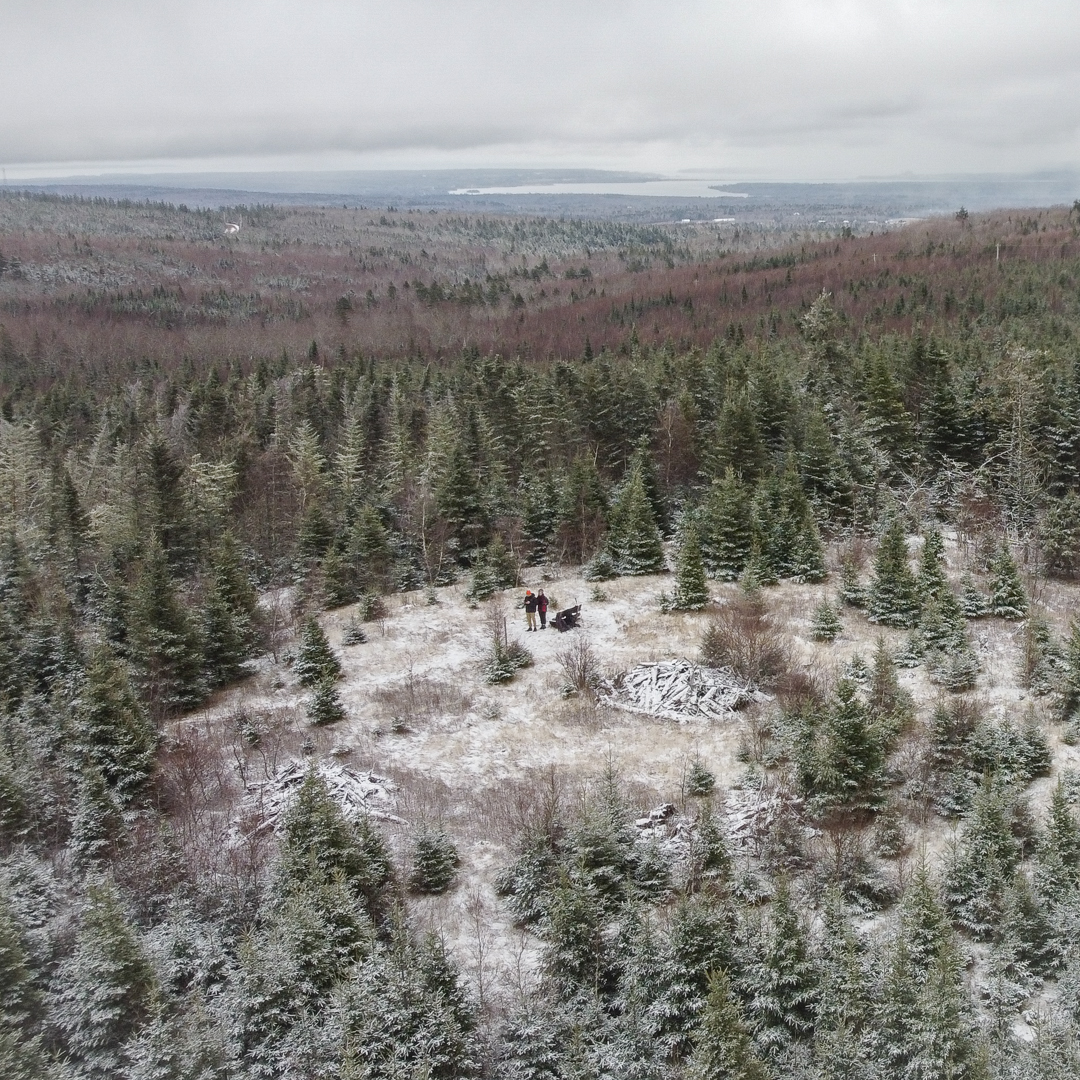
(530, 609)
(541, 608)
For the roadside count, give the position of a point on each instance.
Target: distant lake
(685, 189)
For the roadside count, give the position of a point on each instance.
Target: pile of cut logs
(359, 794)
(679, 690)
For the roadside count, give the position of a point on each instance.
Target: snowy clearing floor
(474, 756)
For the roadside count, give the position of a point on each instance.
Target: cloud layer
(780, 88)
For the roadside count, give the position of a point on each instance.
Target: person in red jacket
(541, 608)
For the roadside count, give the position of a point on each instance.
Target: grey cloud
(788, 84)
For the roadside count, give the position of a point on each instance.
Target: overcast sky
(767, 89)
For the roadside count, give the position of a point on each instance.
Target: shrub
(744, 638)
(353, 634)
(580, 666)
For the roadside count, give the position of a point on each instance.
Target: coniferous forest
(884, 429)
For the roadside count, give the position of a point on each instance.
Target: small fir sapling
(505, 657)
(371, 607)
(723, 1047)
(1008, 599)
(1042, 659)
(1067, 696)
(893, 598)
(699, 780)
(931, 578)
(315, 659)
(826, 624)
(354, 633)
(691, 587)
(726, 528)
(325, 705)
(973, 602)
(633, 539)
(434, 861)
(851, 591)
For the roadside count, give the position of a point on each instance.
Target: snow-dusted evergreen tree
(698, 943)
(315, 659)
(1068, 689)
(324, 706)
(973, 602)
(852, 592)
(981, 865)
(726, 528)
(97, 822)
(406, 1014)
(845, 1003)
(434, 861)
(633, 539)
(839, 754)
(931, 578)
(318, 843)
(826, 624)
(1008, 598)
(780, 980)
(1057, 854)
(723, 1047)
(691, 586)
(101, 993)
(893, 598)
(163, 641)
(113, 732)
(21, 1056)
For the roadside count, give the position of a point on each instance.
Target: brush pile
(679, 690)
(359, 794)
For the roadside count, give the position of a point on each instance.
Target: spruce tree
(723, 1048)
(97, 823)
(1008, 600)
(316, 661)
(982, 864)
(825, 625)
(726, 528)
(434, 861)
(325, 706)
(973, 602)
(21, 1056)
(1057, 854)
(113, 732)
(691, 586)
(893, 598)
(1068, 690)
(164, 644)
(676, 974)
(318, 843)
(633, 540)
(839, 754)
(931, 578)
(780, 982)
(851, 591)
(101, 994)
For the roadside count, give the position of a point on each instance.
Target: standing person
(541, 608)
(530, 609)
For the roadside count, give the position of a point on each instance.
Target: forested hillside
(885, 428)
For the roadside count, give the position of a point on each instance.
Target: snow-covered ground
(472, 755)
